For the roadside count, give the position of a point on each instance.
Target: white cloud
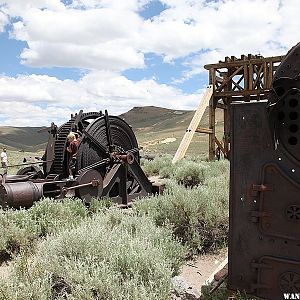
(16, 8)
(115, 4)
(37, 100)
(88, 39)
(110, 34)
(3, 20)
(233, 27)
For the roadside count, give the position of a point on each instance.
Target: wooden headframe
(245, 79)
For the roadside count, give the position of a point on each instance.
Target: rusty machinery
(107, 165)
(264, 238)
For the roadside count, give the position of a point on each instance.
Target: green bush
(111, 256)
(198, 216)
(154, 167)
(189, 173)
(20, 228)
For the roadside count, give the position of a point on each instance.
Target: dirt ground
(196, 272)
(5, 269)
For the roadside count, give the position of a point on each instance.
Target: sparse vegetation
(64, 250)
(198, 214)
(20, 229)
(110, 256)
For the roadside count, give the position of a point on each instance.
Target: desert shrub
(51, 215)
(17, 231)
(155, 166)
(198, 216)
(189, 173)
(19, 228)
(98, 205)
(110, 256)
(222, 293)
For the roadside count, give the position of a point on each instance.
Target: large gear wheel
(77, 123)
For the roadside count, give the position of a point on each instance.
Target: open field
(23, 138)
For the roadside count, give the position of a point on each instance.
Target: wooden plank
(210, 279)
(265, 75)
(204, 130)
(239, 93)
(270, 75)
(187, 138)
(257, 82)
(241, 62)
(229, 78)
(220, 146)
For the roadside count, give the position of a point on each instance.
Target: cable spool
(122, 138)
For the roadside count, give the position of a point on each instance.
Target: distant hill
(146, 117)
(161, 129)
(157, 130)
(23, 138)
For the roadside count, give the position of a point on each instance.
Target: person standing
(72, 150)
(218, 153)
(4, 158)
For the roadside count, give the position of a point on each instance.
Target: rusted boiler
(264, 238)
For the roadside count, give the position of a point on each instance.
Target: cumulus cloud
(111, 35)
(3, 20)
(36, 100)
(107, 37)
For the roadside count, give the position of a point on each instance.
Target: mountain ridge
(151, 125)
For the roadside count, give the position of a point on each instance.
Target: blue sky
(61, 56)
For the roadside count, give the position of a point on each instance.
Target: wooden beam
(270, 76)
(187, 138)
(240, 93)
(229, 78)
(237, 84)
(241, 62)
(204, 130)
(220, 146)
(258, 76)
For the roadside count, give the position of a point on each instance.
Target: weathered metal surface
(20, 194)
(91, 185)
(264, 237)
(107, 165)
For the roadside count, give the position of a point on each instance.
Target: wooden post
(212, 118)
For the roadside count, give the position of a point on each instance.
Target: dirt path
(196, 272)
(5, 269)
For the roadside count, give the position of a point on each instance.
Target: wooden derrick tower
(245, 79)
(248, 78)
